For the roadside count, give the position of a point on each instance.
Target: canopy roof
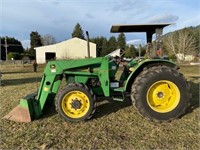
(150, 28)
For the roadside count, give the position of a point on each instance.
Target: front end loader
(155, 86)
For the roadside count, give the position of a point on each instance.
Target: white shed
(74, 48)
(117, 52)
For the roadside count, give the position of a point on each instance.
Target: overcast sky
(18, 18)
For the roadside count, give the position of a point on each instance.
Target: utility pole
(139, 51)
(0, 48)
(6, 46)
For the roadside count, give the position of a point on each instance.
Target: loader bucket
(24, 112)
(19, 114)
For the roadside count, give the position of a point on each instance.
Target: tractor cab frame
(149, 29)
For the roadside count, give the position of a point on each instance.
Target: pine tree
(78, 32)
(121, 41)
(35, 39)
(104, 50)
(112, 44)
(100, 43)
(130, 52)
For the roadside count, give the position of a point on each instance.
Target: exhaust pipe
(88, 44)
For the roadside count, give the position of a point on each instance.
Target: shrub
(10, 55)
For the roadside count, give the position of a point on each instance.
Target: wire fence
(14, 63)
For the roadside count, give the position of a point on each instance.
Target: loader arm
(32, 105)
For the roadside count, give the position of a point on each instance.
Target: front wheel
(75, 102)
(160, 93)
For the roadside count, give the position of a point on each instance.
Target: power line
(11, 45)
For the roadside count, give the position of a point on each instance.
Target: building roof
(66, 41)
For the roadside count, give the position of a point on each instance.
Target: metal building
(74, 48)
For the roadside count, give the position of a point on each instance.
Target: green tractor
(156, 88)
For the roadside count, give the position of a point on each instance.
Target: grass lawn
(114, 125)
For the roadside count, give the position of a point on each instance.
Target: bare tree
(186, 43)
(48, 39)
(170, 44)
(182, 42)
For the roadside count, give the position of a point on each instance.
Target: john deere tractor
(156, 88)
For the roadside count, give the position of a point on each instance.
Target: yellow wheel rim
(163, 96)
(75, 104)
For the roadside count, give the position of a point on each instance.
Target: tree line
(105, 46)
(17, 51)
(184, 41)
(13, 47)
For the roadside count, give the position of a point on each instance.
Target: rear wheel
(160, 93)
(75, 102)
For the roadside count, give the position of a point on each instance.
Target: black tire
(84, 102)
(157, 105)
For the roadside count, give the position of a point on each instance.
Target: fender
(138, 67)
